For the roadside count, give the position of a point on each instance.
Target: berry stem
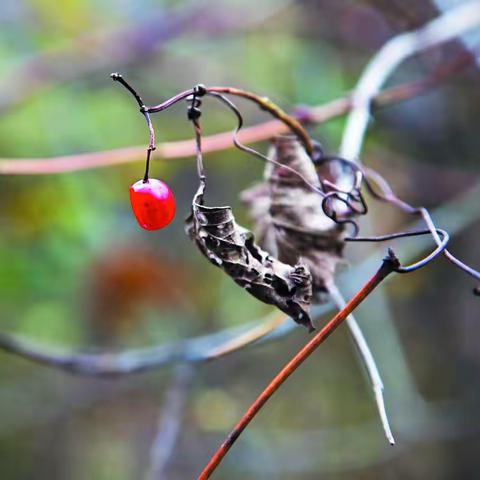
(147, 165)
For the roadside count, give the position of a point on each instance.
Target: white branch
(442, 29)
(367, 359)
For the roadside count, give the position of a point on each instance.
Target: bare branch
(223, 141)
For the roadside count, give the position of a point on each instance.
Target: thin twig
(169, 423)
(368, 361)
(390, 264)
(255, 153)
(223, 141)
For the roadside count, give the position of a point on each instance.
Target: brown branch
(389, 265)
(223, 141)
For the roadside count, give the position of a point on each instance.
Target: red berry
(153, 203)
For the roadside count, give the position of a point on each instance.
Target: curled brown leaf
(232, 248)
(289, 217)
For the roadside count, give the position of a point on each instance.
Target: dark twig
(386, 194)
(116, 77)
(421, 263)
(392, 236)
(254, 152)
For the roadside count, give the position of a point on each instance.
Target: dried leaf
(232, 248)
(289, 215)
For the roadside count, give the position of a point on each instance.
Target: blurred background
(77, 272)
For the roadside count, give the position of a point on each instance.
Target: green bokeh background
(77, 272)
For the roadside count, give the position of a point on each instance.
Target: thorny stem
(389, 265)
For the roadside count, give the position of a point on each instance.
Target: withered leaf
(289, 217)
(232, 248)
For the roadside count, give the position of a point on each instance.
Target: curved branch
(223, 141)
(446, 27)
(112, 364)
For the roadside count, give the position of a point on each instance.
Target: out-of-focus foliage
(76, 271)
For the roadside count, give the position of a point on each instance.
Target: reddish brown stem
(389, 265)
(222, 141)
(266, 104)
